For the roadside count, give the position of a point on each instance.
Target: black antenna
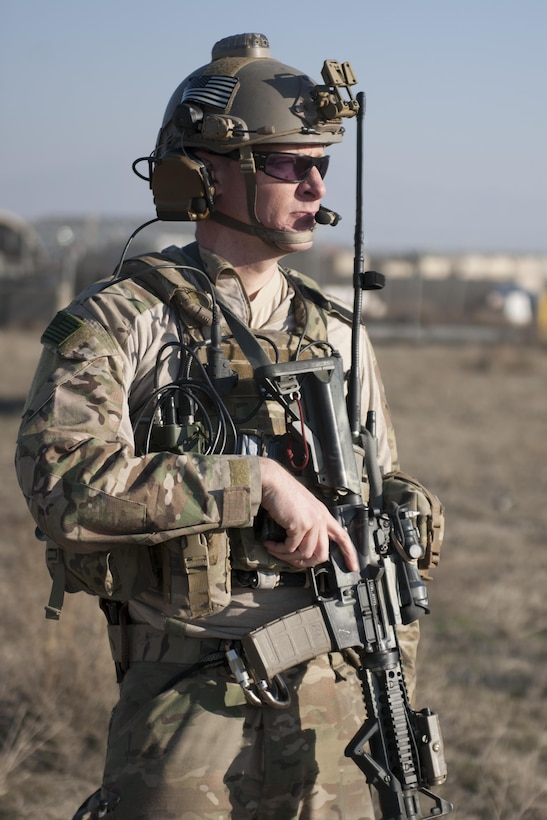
(362, 280)
(354, 386)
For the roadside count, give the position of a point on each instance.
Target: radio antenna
(362, 280)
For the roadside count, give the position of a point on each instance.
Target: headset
(181, 184)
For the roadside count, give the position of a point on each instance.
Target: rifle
(355, 612)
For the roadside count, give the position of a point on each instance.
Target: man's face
(290, 206)
(280, 204)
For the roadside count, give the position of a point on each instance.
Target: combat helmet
(243, 97)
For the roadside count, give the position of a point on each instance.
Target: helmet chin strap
(256, 228)
(269, 235)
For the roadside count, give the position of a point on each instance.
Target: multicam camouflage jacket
(91, 488)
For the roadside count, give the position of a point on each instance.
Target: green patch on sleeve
(61, 328)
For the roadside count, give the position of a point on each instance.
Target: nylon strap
(55, 562)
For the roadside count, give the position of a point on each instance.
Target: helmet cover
(244, 96)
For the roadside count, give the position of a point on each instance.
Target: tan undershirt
(268, 299)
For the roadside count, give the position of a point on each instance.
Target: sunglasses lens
(285, 166)
(322, 165)
(293, 167)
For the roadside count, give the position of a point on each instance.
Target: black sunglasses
(289, 167)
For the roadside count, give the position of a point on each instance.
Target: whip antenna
(362, 280)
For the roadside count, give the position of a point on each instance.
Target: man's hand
(307, 522)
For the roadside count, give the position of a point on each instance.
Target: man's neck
(255, 276)
(254, 261)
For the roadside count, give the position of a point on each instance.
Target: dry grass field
(471, 424)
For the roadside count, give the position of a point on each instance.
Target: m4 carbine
(399, 750)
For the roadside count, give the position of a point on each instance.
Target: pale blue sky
(455, 129)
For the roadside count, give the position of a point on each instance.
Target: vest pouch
(407, 491)
(118, 574)
(196, 574)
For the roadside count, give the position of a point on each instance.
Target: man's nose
(314, 183)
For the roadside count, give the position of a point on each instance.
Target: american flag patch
(214, 90)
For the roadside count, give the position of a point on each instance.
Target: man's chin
(289, 247)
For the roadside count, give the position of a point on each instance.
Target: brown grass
(471, 424)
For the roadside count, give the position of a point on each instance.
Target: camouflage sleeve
(76, 463)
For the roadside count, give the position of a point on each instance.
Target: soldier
(167, 531)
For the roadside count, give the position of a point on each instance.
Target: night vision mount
(328, 98)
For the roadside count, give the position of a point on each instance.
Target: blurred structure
(448, 296)
(27, 281)
(457, 295)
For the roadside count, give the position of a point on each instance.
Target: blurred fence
(43, 267)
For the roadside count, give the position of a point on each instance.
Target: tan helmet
(244, 96)
(241, 98)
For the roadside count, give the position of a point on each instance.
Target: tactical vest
(194, 572)
(259, 422)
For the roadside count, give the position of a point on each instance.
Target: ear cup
(182, 188)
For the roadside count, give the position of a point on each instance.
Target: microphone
(326, 217)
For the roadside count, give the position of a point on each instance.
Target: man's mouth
(304, 222)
